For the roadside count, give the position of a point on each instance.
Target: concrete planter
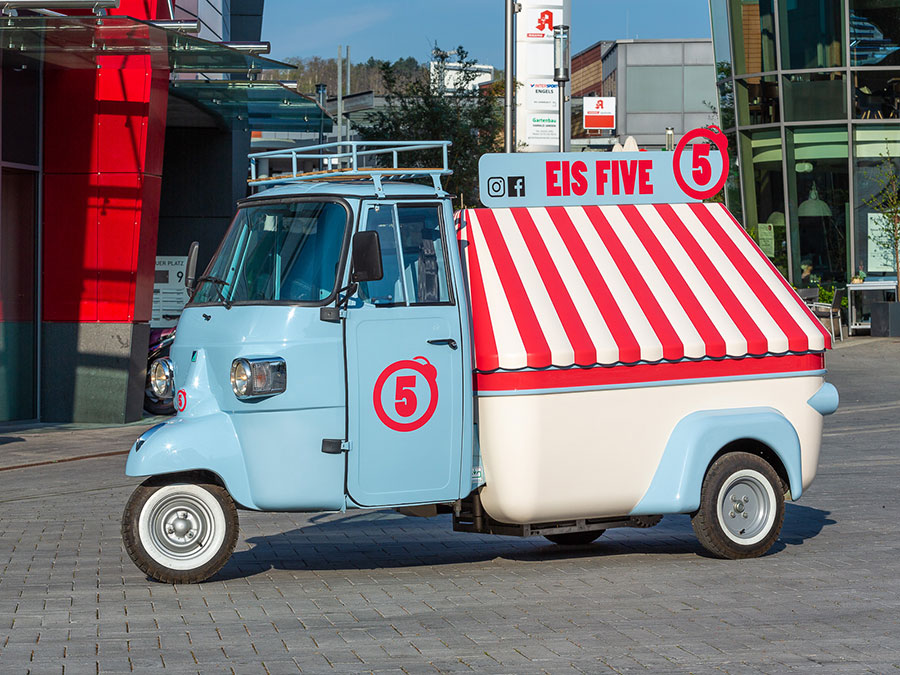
(886, 319)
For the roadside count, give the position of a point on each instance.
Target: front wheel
(741, 507)
(179, 532)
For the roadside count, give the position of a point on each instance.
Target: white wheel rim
(746, 507)
(182, 526)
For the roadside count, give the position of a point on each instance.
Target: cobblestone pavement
(376, 591)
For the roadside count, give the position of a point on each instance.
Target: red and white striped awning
(601, 285)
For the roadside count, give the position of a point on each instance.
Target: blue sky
(392, 29)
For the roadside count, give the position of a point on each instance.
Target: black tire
(159, 406)
(574, 538)
(741, 507)
(178, 531)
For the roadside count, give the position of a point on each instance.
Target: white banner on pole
(537, 98)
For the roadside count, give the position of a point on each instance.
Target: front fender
(697, 438)
(193, 443)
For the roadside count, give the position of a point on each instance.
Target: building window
(874, 32)
(753, 36)
(814, 96)
(653, 89)
(874, 145)
(726, 103)
(733, 184)
(758, 100)
(718, 10)
(819, 189)
(812, 33)
(764, 194)
(699, 95)
(876, 94)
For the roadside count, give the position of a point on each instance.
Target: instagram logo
(496, 186)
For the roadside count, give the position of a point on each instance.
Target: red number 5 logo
(406, 403)
(701, 167)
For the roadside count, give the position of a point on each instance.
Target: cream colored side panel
(593, 454)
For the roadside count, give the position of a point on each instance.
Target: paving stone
(382, 593)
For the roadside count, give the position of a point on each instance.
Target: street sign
(599, 112)
(169, 292)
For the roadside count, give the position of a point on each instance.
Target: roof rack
(341, 161)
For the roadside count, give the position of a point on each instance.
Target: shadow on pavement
(801, 523)
(387, 540)
(4, 440)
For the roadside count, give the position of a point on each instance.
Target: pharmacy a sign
(599, 112)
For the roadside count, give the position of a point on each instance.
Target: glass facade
(809, 98)
(19, 149)
(874, 146)
(814, 96)
(753, 35)
(820, 186)
(812, 33)
(764, 187)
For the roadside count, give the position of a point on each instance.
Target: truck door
(404, 364)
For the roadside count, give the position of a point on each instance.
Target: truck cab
(278, 296)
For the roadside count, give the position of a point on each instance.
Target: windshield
(278, 252)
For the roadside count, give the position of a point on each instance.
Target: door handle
(450, 342)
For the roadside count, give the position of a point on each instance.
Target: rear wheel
(741, 507)
(575, 538)
(179, 532)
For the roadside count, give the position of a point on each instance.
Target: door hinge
(332, 314)
(335, 446)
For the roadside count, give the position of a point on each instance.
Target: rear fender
(206, 443)
(696, 440)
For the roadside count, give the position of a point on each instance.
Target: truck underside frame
(470, 516)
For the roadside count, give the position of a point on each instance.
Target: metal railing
(38, 5)
(346, 159)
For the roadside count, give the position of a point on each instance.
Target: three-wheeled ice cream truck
(595, 348)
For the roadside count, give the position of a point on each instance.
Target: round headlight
(162, 378)
(240, 377)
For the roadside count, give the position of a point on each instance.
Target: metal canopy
(261, 105)
(76, 42)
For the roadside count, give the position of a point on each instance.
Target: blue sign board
(580, 178)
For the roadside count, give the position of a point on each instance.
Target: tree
(885, 201)
(450, 107)
(365, 76)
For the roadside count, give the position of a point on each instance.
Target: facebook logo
(515, 186)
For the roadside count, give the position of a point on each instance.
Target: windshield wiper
(218, 284)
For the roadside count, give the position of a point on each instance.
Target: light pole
(561, 75)
(509, 79)
(322, 98)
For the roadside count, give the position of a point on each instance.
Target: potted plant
(886, 203)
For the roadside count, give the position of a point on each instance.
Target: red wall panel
(146, 248)
(70, 111)
(118, 228)
(70, 248)
(123, 110)
(104, 130)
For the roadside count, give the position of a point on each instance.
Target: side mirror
(366, 258)
(190, 271)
